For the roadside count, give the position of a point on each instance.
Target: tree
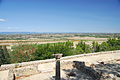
(28, 52)
(79, 50)
(119, 37)
(45, 51)
(83, 48)
(4, 55)
(95, 46)
(22, 53)
(104, 46)
(114, 43)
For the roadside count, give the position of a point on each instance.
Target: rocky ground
(101, 71)
(100, 66)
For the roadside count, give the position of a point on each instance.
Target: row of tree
(40, 51)
(30, 52)
(111, 44)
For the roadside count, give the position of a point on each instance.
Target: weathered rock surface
(94, 63)
(108, 71)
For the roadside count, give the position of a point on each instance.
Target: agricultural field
(41, 38)
(15, 51)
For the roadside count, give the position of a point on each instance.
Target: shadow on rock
(108, 71)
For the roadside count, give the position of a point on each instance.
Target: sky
(98, 16)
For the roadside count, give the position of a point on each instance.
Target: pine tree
(4, 55)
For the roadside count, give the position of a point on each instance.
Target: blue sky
(60, 16)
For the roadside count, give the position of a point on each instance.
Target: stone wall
(40, 66)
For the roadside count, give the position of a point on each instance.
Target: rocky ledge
(100, 71)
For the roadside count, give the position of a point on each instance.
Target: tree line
(31, 52)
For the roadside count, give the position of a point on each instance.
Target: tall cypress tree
(4, 55)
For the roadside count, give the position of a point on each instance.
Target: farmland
(39, 38)
(36, 48)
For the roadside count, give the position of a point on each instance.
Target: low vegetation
(30, 52)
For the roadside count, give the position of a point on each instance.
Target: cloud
(12, 28)
(2, 20)
(7, 29)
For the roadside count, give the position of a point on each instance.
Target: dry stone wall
(8, 71)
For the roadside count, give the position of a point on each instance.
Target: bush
(22, 53)
(29, 52)
(45, 51)
(83, 48)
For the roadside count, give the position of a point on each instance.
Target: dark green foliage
(111, 44)
(114, 44)
(83, 48)
(79, 50)
(22, 53)
(104, 47)
(4, 55)
(95, 46)
(119, 37)
(29, 52)
(45, 51)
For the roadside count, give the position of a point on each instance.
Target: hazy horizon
(58, 32)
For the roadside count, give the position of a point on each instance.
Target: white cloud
(5, 29)
(14, 28)
(2, 20)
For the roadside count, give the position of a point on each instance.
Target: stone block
(4, 75)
